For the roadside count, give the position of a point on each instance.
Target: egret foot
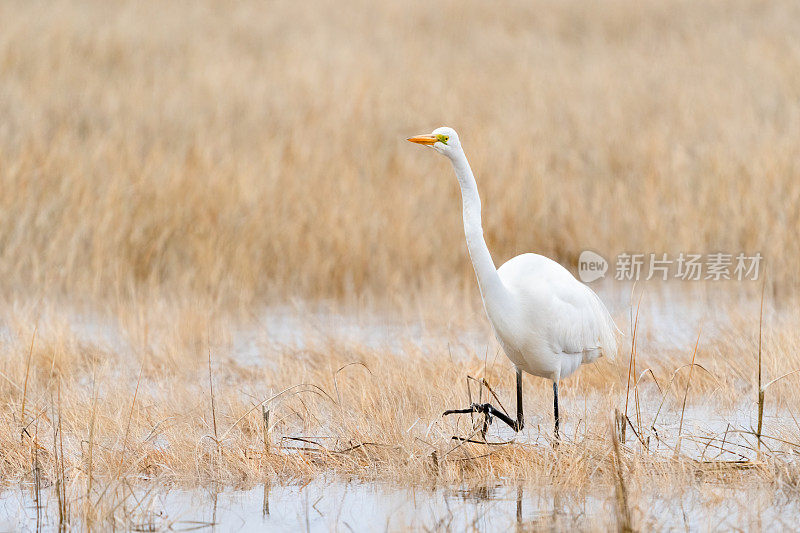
(490, 411)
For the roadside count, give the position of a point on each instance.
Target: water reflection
(265, 504)
(322, 505)
(314, 506)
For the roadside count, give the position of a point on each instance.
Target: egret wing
(581, 324)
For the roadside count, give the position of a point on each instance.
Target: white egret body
(547, 322)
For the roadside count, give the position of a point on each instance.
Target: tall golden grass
(249, 150)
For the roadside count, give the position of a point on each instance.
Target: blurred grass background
(251, 150)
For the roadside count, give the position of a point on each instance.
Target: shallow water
(321, 505)
(667, 319)
(315, 506)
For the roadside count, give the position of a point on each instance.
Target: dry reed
(374, 413)
(249, 153)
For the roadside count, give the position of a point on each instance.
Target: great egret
(547, 322)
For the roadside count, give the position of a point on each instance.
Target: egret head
(444, 140)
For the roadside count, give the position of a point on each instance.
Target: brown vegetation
(250, 151)
(100, 418)
(167, 170)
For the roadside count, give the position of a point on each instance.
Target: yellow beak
(427, 140)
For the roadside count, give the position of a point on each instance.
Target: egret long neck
(492, 289)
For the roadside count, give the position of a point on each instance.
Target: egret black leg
(489, 410)
(555, 406)
(520, 417)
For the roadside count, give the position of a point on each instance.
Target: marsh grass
(246, 153)
(100, 429)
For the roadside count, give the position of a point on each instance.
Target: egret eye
(442, 138)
